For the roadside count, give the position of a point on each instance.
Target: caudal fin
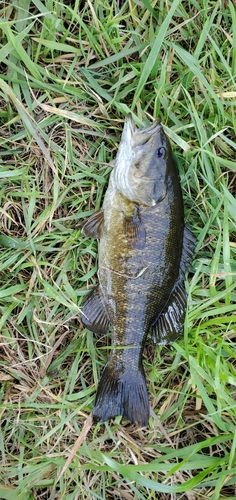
(122, 394)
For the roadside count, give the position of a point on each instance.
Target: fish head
(142, 164)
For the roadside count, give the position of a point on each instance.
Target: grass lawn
(70, 72)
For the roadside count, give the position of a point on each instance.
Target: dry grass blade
(86, 428)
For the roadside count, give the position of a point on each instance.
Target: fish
(144, 252)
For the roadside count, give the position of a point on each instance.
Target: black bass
(144, 252)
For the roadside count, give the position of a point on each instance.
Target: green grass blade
(154, 53)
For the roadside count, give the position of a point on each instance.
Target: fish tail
(122, 394)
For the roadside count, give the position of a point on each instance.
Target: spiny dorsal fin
(94, 315)
(170, 323)
(93, 227)
(189, 241)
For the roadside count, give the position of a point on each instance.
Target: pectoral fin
(93, 227)
(170, 323)
(134, 230)
(94, 315)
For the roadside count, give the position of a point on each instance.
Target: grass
(69, 74)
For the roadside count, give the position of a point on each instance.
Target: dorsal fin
(189, 241)
(170, 322)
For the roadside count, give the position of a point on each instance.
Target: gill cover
(141, 166)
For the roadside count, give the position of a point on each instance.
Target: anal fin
(94, 315)
(93, 227)
(170, 323)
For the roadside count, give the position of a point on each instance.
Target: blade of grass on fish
(129, 276)
(151, 60)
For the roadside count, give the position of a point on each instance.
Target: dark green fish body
(144, 252)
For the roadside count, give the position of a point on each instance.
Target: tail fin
(122, 394)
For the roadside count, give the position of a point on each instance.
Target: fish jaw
(142, 161)
(125, 157)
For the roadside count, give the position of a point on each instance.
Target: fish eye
(161, 152)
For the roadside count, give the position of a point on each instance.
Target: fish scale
(144, 251)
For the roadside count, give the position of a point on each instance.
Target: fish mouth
(141, 136)
(132, 175)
